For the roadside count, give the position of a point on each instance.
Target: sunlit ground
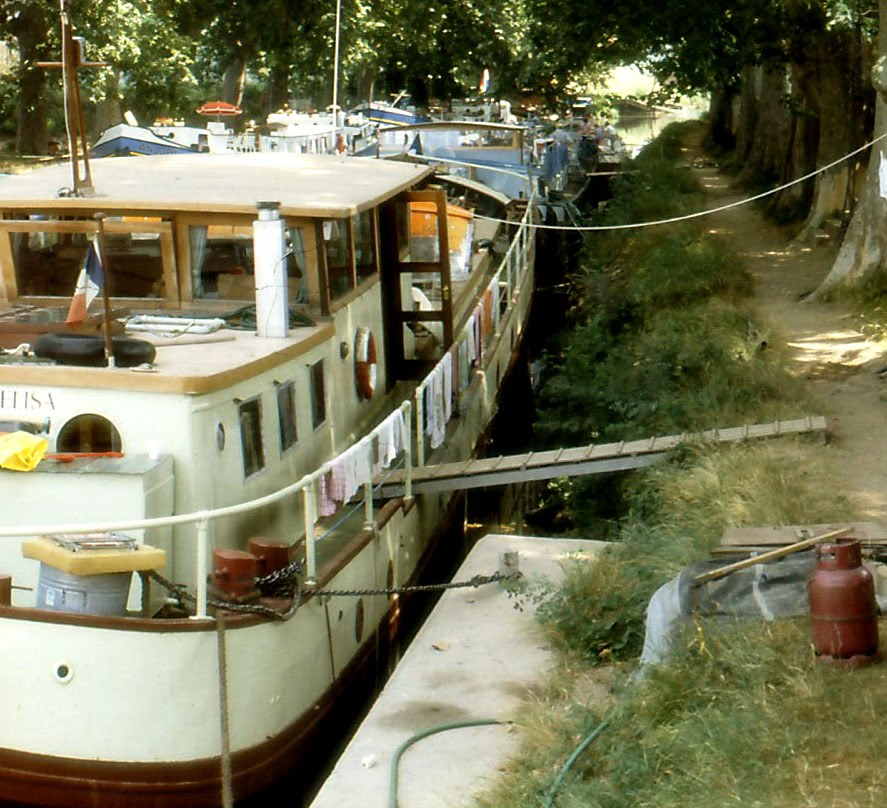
(849, 348)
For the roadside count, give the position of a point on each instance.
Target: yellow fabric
(21, 451)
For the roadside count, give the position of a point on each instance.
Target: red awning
(219, 108)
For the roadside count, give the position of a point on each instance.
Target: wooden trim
(7, 267)
(312, 262)
(365, 285)
(182, 236)
(168, 258)
(81, 226)
(352, 259)
(322, 269)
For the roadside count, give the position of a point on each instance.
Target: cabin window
(48, 257)
(364, 244)
(222, 265)
(88, 433)
(221, 261)
(296, 266)
(286, 415)
(339, 256)
(318, 395)
(250, 414)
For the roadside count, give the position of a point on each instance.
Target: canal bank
(476, 657)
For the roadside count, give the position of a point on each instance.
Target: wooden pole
(770, 555)
(106, 297)
(77, 139)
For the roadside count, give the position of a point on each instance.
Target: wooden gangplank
(744, 540)
(600, 458)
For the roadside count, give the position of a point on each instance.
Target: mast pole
(336, 70)
(106, 295)
(75, 126)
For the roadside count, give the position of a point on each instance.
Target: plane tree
(863, 252)
(32, 27)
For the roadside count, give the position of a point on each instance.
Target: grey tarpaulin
(770, 590)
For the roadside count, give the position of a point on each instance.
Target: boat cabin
(314, 267)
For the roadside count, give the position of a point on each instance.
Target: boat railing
(504, 289)
(482, 327)
(447, 161)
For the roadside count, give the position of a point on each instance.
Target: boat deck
(187, 364)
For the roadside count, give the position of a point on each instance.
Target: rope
(697, 214)
(224, 726)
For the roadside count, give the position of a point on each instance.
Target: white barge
(362, 329)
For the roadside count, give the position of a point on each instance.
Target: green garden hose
(583, 745)
(395, 761)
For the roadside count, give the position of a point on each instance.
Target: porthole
(63, 673)
(89, 433)
(220, 437)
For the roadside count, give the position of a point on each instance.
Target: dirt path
(826, 346)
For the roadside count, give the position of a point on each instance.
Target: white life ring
(365, 363)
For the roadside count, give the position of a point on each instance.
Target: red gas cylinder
(235, 573)
(272, 555)
(843, 610)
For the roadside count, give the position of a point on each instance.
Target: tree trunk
(232, 81)
(834, 60)
(32, 31)
(771, 143)
(721, 134)
(277, 92)
(748, 115)
(793, 202)
(108, 111)
(864, 248)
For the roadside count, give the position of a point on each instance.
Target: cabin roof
(457, 126)
(304, 185)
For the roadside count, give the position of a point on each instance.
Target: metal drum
(843, 609)
(83, 594)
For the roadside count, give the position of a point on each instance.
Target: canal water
(636, 129)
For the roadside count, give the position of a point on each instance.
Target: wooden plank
(772, 555)
(774, 535)
(596, 459)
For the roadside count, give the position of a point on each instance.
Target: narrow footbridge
(599, 458)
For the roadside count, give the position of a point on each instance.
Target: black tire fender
(88, 350)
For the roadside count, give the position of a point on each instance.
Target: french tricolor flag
(484, 84)
(89, 284)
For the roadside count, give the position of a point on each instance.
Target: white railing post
(407, 441)
(420, 430)
(368, 488)
(309, 507)
(201, 567)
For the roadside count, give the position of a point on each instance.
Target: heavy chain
(284, 583)
(476, 581)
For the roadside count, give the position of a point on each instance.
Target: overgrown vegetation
(739, 717)
(660, 340)
(742, 714)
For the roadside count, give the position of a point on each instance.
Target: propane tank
(843, 610)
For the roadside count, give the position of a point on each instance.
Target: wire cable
(697, 214)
